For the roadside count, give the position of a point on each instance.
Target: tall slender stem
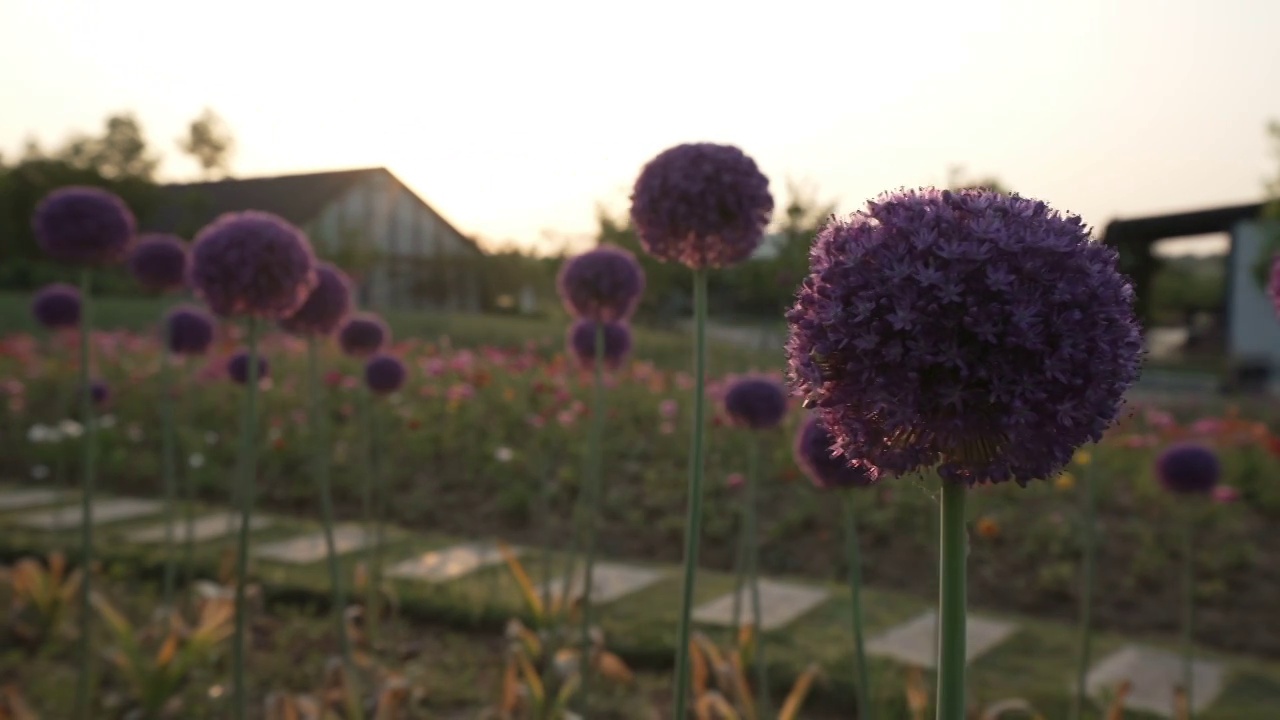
(1188, 615)
(693, 523)
(854, 554)
(753, 577)
(1088, 530)
(379, 523)
(89, 454)
(366, 508)
(739, 570)
(189, 521)
(592, 515)
(168, 469)
(248, 470)
(951, 603)
(544, 526)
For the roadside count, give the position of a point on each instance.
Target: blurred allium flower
(603, 284)
(56, 306)
(188, 330)
(582, 343)
(326, 306)
(1188, 469)
(815, 454)
(983, 332)
(701, 204)
(99, 393)
(756, 402)
(159, 262)
(735, 480)
(504, 454)
(384, 374)
(363, 334)
(238, 368)
(1225, 494)
(668, 408)
(252, 263)
(83, 225)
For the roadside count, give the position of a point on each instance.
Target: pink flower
(666, 428)
(668, 408)
(566, 417)
(1159, 418)
(735, 481)
(536, 421)
(1206, 426)
(1225, 494)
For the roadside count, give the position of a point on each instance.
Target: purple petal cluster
(982, 333)
(384, 374)
(363, 334)
(56, 306)
(756, 402)
(1188, 469)
(701, 204)
(827, 469)
(581, 342)
(188, 330)
(252, 263)
(159, 262)
(603, 284)
(83, 225)
(325, 307)
(238, 368)
(99, 393)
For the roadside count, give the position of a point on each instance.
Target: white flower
(107, 421)
(211, 438)
(40, 434)
(40, 472)
(504, 454)
(274, 434)
(196, 460)
(71, 428)
(134, 432)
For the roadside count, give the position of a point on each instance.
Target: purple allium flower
(701, 204)
(756, 402)
(188, 330)
(603, 284)
(99, 393)
(326, 306)
(581, 342)
(384, 374)
(252, 263)
(1188, 469)
(83, 225)
(238, 368)
(981, 332)
(363, 334)
(56, 306)
(815, 454)
(159, 262)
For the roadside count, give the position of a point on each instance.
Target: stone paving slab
(914, 642)
(105, 511)
(451, 563)
(781, 604)
(204, 529)
(609, 581)
(311, 548)
(1153, 675)
(26, 498)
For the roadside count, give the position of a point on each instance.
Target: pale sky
(516, 118)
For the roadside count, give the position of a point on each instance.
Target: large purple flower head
(188, 330)
(363, 334)
(815, 454)
(581, 342)
(238, 368)
(56, 306)
(701, 204)
(756, 402)
(1188, 469)
(159, 262)
(99, 393)
(384, 374)
(326, 306)
(603, 284)
(252, 263)
(83, 225)
(982, 333)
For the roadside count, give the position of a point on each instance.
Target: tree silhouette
(210, 143)
(120, 153)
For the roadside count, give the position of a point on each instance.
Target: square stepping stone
(25, 498)
(451, 563)
(105, 511)
(780, 604)
(914, 643)
(209, 527)
(609, 581)
(311, 548)
(1154, 674)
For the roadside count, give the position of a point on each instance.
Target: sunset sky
(515, 119)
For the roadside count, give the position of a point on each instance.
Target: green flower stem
(379, 524)
(951, 603)
(753, 577)
(1088, 538)
(189, 520)
(592, 516)
(693, 523)
(366, 505)
(89, 454)
(543, 510)
(1188, 612)
(168, 470)
(318, 412)
(248, 469)
(854, 555)
(739, 570)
